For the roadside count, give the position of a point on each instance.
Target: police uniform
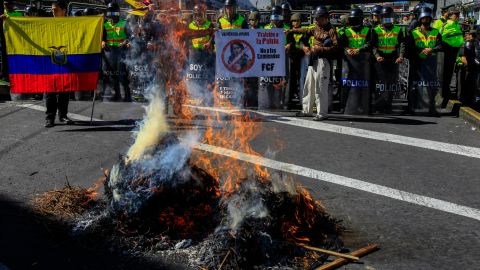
(297, 42)
(356, 75)
(115, 71)
(424, 83)
(469, 83)
(452, 38)
(199, 71)
(389, 44)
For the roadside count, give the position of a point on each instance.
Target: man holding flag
(43, 61)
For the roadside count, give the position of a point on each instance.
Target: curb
(466, 113)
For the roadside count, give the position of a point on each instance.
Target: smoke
(245, 203)
(153, 127)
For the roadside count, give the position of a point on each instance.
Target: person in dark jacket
(470, 61)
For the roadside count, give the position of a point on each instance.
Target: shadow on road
(31, 241)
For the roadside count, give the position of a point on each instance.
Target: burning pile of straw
(66, 202)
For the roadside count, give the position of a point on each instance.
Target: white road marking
(43, 109)
(457, 149)
(324, 176)
(347, 182)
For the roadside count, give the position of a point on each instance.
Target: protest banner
(250, 53)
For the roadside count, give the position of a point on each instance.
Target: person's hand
(464, 60)
(3, 17)
(399, 60)
(427, 51)
(353, 51)
(380, 59)
(128, 45)
(287, 47)
(103, 44)
(287, 31)
(306, 50)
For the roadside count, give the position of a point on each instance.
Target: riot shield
(356, 83)
(199, 77)
(270, 92)
(141, 75)
(424, 84)
(386, 85)
(230, 91)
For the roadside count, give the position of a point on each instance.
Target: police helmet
(276, 14)
(425, 12)
(387, 15)
(113, 7)
(286, 5)
(113, 10)
(417, 9)
(31, 11)
(376, 10)
(89, 11)
(320, 11)
(77, 13)
(356, 17)
(230, 2)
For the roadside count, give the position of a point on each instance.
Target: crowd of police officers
(358, 62)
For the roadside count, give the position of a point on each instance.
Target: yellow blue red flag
(53, 54)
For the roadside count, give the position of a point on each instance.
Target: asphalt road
(419, 201)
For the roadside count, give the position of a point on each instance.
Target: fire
(234, 133)
(92, 192)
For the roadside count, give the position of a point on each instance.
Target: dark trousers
(295, 68)
(56, 101)
(450, 56)
(115, 72)
(468, 85)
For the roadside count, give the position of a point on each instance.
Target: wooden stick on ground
(336, 254)
(224, 259)
(341, 261)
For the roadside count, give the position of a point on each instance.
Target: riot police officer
(415, 21)
(272, 92)
(286, 13)
(375, 17)
(31, 11)
(199, 71)
(355, 85)
(115, 43)
(438, 24)
(424, 42)
(452, 38)
(231, 19)
(10, 11)
(469, 58)
(388, 48)
(297, 47)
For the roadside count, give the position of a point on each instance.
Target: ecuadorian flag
(53, 54)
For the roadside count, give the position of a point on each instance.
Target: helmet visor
(387, 20)
(113, 14)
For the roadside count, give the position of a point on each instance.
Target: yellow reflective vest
(116, 34)
(200, 42)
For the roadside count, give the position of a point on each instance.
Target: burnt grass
(173, 216)
(259, 243)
